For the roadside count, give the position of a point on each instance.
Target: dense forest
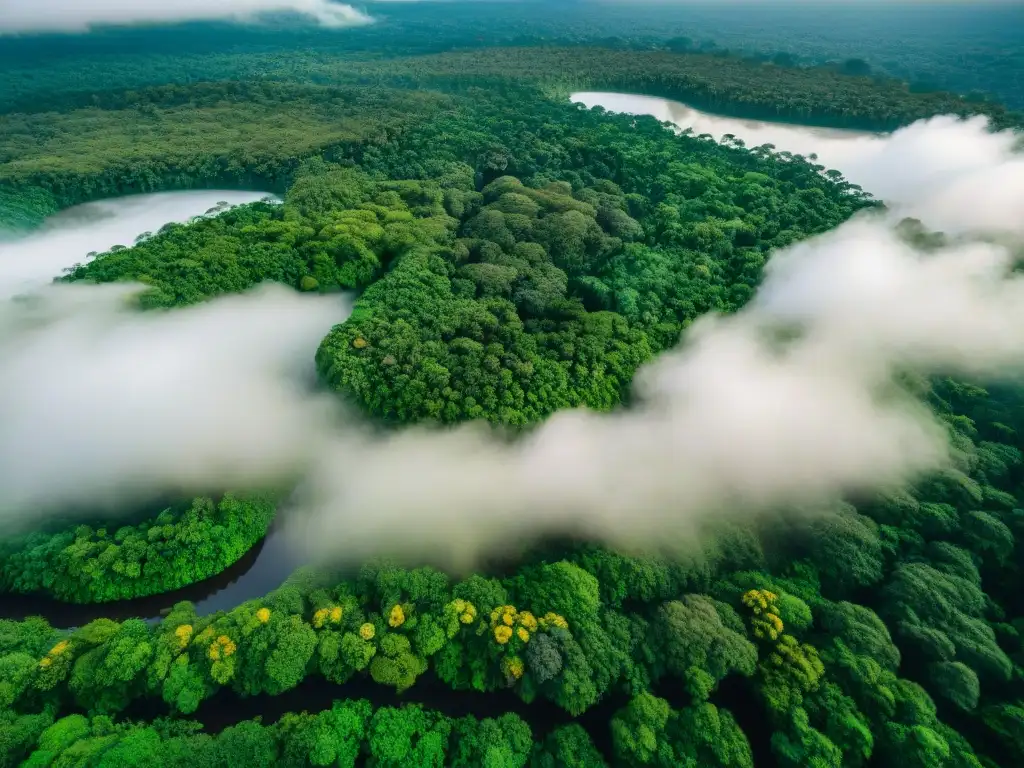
(963, 47)
(513, 255)
(178, 546)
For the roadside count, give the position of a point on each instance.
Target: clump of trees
(181, 545)
(350, 733)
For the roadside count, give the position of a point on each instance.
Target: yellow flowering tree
(183, 634)
(549, 620)
(513, 668)
(221, 652)
(509, 625)
(765, 622)
(55, 666)
(513, 631)
(459, 613)
(329, 615)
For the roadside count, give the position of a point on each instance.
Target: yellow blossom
(502, 634)
(465, 610)
(184, 634)
(528, 620)
(222, 647)
(367, 631)
(760, 601)
(554, 620)
(397, 617)
(45, 662)
(336, 614)
(263, 615)
(320, 617)
(508, 619)
(513, 667)
(59, 648)
(523, 634)
(359, 343)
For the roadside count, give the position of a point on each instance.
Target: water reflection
(261, 570)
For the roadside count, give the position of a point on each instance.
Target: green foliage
(24, 208)
(567, 747)
(179, 546)
(233, 134)
(696, 645)
(721, 83)
(514, 255)
(649, 733)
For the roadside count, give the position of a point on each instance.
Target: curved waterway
(34, 260)
(261, 570)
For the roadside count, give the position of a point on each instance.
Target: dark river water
(261, 570)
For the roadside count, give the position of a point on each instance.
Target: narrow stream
(314, 695)
(261, 570)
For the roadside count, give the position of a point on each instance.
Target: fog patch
(103, 405)
(20, 16)
(68, 237)
(790, 402)
(925, 170)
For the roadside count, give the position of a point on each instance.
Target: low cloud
(924, 170)
(733, 421)
(98, 404)
(27, 262)
(19, 16)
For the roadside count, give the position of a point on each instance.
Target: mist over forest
(484, 383)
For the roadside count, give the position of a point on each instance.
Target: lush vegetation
(513, 297)
(718, 82)
(177, 547)
(964, 47)
(388, 737)
(224, 134)
(514, 255)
